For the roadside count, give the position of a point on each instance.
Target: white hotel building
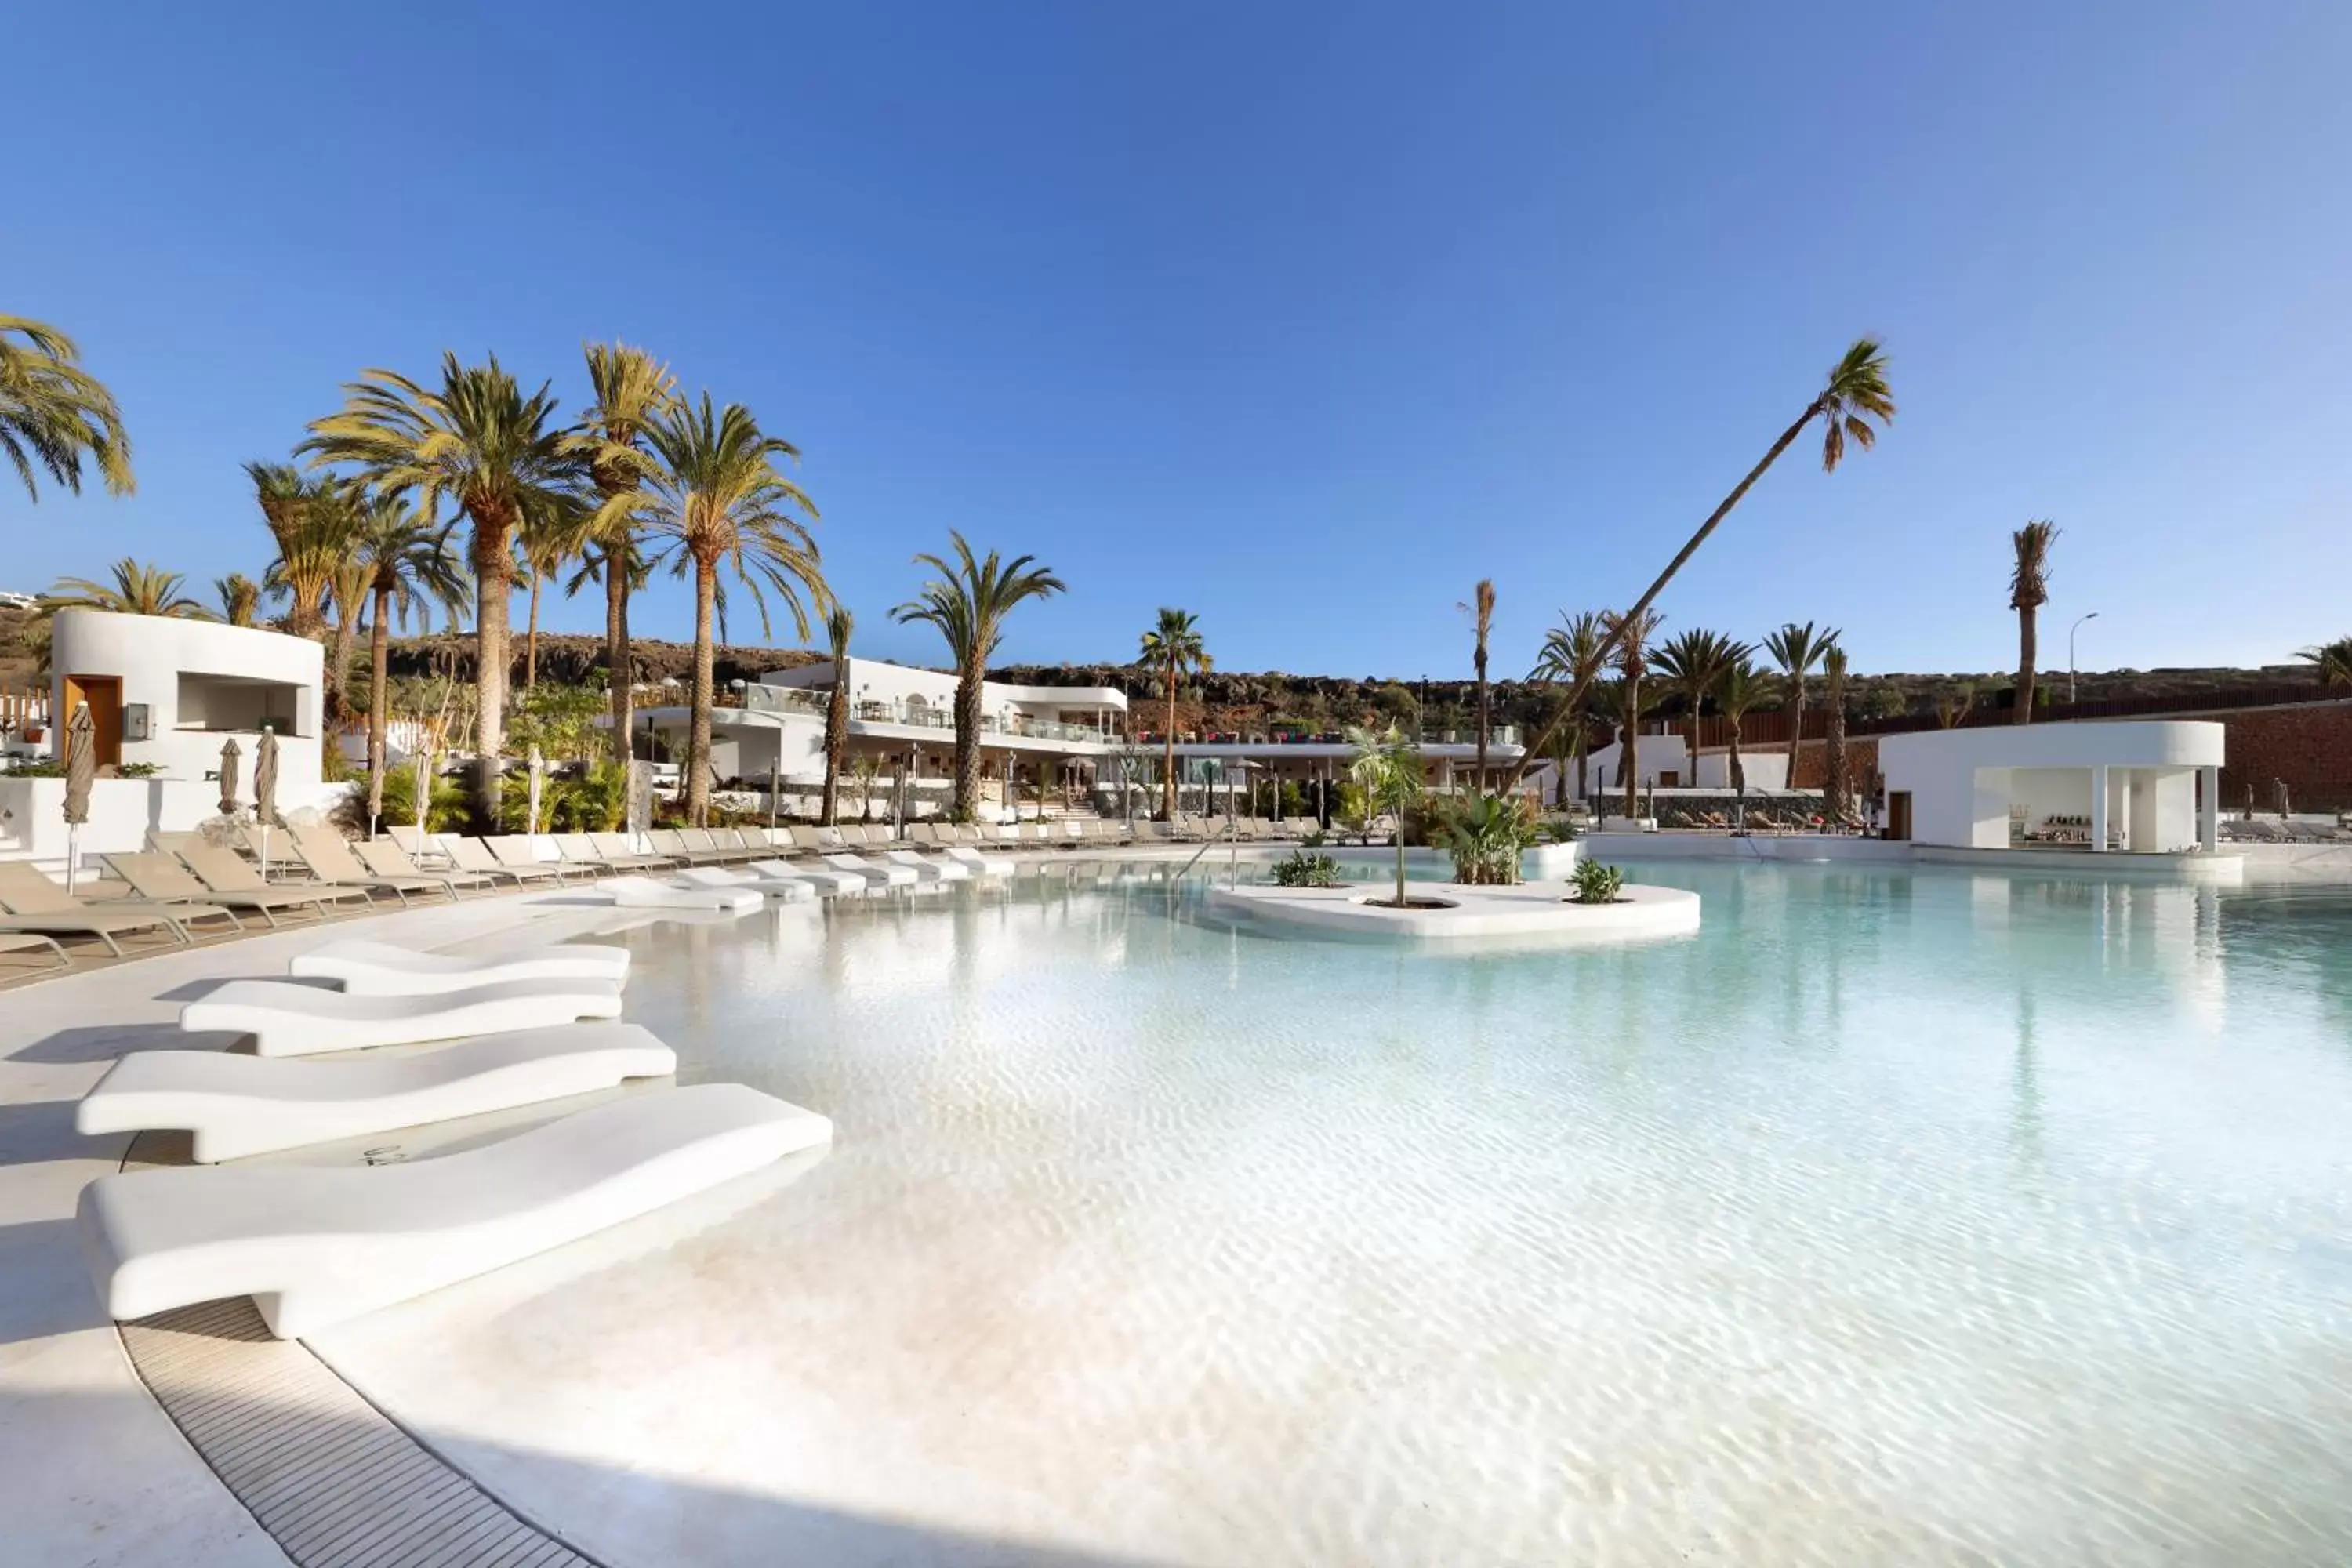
(1065, 744)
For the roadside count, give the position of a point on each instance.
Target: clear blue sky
(1303, 318)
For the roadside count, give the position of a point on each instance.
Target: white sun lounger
(314, 1246)
(928, 869)
(788, 891)
(979, 864)
(239, 1105)
(644, 893)
(876, 875)
(380, 969)
(290, 1019)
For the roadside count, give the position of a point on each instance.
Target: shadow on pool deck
(334, 1491)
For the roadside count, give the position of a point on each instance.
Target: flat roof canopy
(2137, 744)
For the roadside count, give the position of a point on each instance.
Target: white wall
(873, 680)
(1653, 754)
(1766, 769)
(33, 823)
(156, 656)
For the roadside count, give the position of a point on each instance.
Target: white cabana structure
(2140, 788)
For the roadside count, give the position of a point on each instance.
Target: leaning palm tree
(2028, 590)
(1856, 394)
(240, 599)
(968, 601)
(1628, 636)
(1572, 653)
(53, 413)
(1796, 649)
(1481, 610)
(837, 627)
(716, 496)
(1834, 778)
(2331, 661)
(1173, 650)
(1693, 663)
(138, 589)
(406, 560)
(630, 390)
(1739, 687)
(481, 443)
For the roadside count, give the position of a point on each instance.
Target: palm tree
(1629, 635)
(837, 627)
(1739, 687)
(1387, 769)
(138, 589)
(717, 496)
(968, 601)
(491, 450)
(307, 518)
(1572, 652)
(349, 594)
(1173, 650)
(2331, 661)
(1833, 785)
(1481, 610)
(2028, 590)
(240, 599)
(1693, 663)
(405, 559)
(1856, 394)
(53, 412)
(1952, 709)
(544, 548)
(1796, 649)
(630, 390)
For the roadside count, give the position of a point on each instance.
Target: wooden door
(104, 695)
(1899, 814)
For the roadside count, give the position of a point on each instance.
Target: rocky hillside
(1222, 700)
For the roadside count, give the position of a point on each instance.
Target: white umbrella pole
(73, 852)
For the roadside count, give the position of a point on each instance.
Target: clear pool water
(1900, 1216)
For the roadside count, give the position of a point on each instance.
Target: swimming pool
(1902, 1214)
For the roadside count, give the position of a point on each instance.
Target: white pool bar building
(2134, 788)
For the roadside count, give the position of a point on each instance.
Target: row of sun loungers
(315, 1244)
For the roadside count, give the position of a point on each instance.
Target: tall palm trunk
(1583, 773)
(530, 638)
(1796, 727)
(1168, 777)
(1833, 786)
(698, 778)
(2026, 615)
(338, 673)
(493, 586)
(837, 742)
(967, 759)
(378, 696)
(1738, 773)
(1692, 782)
(618, 666)
(1628, 762)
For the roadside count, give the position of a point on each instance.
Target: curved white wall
(226, 673)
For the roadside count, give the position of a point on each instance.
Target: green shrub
(1485, 834)
(1305, 868)
(138, 770)
(1597, 883)
(447, 813)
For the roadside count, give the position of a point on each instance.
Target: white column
(2099, 808)
(2209, 808)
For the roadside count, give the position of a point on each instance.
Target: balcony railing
(1497, 735)
(921, 715)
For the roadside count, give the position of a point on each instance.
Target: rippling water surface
(1900, 1216)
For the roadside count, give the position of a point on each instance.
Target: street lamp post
(2070, 652)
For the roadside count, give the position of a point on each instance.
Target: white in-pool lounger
(876, 875)
(380, 969)
(239, 1105)
(644, 893)
(783, 889)
(928, 869)
(982, 865)
(315, 1246)
(286, 1018)
(828, 882)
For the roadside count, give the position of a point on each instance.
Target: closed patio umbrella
(265, 791)
(538, 774)
(229, 755)
(82, 774)
(424, 795)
